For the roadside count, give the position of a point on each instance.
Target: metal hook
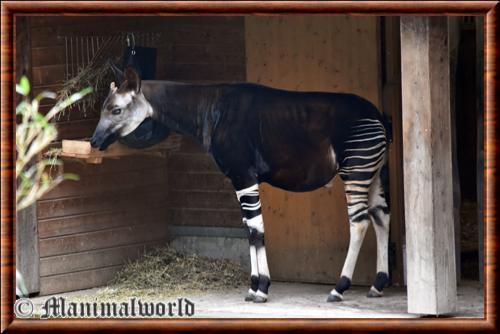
(129, 35)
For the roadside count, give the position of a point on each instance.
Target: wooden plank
(76, 147)
(105, 201)
(189, 145)
(50, 74)
(79, 113)
(120, 236)
(47, 36)
(307, 234)
(229, 72)
(204, 217)
(96, 221)
(78, 280)
(76, 129)
(199, 181)
(200, 22)
(94, 184)
(203, 199)
(193, 163)
(81, 149)
(427, 169)
(215, 54)
(48, 55)
(94, 259)
(116, 166)
(208, 34)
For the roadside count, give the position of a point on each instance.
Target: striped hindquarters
(364, 156)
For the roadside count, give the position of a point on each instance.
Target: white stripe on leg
(380, 221)
(382, 234)
(253, 261)
(256, 223)
(357, 234)
(262, 261)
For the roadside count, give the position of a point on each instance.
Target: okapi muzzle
(103, 137)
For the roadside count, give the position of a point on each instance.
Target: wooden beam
(81, 149)
(453, 46)
(391, 105)
(27, 252)
(27, 258)
(428, 185)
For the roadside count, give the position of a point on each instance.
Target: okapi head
(123, 111)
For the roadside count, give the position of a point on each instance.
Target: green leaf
(23, 87)
(71, 176)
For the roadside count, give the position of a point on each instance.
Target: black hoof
(373, 293)
(259, 299)
(250, 297)
(333, 298)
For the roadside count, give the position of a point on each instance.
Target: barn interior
(80, 234)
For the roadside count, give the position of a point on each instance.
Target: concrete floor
(297, 300)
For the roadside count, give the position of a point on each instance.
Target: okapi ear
(112, 87)
(133, 82)
(119, 76)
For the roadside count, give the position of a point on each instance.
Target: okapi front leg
(252, 218)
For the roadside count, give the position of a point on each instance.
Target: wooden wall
(307, 234)
(87, 229)
(200, 195)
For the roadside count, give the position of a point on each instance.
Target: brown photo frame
(10, 9)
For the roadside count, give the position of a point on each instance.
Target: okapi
(297, 141)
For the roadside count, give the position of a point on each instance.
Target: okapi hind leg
(252, 218)
(364, 155)
(359, 221)
(380, 216)
(357, 234)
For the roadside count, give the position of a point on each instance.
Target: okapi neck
(184, 108)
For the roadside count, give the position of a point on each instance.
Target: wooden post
(391, 105)
(27, 255)
(453, 46)
(428, 185)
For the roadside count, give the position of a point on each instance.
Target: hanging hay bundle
(91, 68)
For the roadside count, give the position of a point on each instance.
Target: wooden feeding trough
(81, 149)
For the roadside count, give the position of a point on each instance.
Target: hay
(164, 272)
(97, 74)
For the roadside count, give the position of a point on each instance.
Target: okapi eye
(116, 111)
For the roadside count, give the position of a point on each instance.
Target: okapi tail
(384, 172)
(387, 122)
(384, 179)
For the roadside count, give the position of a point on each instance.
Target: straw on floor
(164, 272)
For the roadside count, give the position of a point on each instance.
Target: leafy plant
(34, 133)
